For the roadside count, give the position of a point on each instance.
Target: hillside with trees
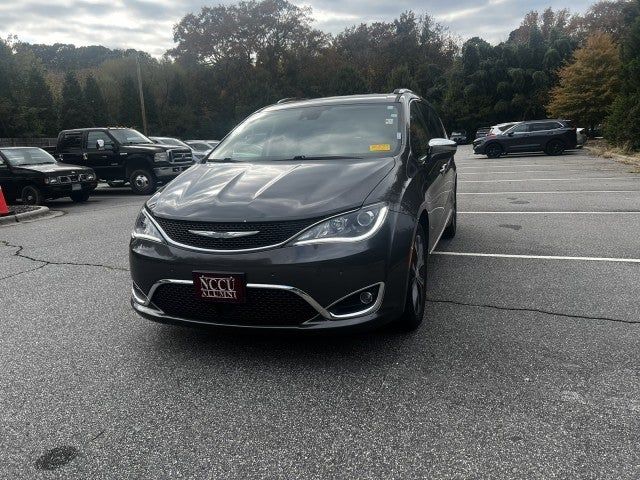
(230, 60)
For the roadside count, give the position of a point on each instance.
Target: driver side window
(93, 137)
(418, 132)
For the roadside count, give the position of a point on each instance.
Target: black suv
(550, 136)
(124, 155)
(312, 215)
(33, 175)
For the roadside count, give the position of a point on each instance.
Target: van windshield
(315, 132)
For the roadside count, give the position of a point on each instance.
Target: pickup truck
(122, 155)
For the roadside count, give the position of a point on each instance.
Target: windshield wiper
(222, 160)
(324, 157)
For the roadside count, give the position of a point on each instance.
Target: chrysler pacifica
(309, 215)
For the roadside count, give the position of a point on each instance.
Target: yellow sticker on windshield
(380, 147)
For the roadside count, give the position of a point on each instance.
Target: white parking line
(475, 166)
(548, 179)
(628, 212)
(531, 171)
(539, 257)
(548, 191)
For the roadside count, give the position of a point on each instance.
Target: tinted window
(93, 137)
(419, 134)
(521, 128)
(27, 156)
(129, 136)
(72, 141)
(347, 130)
(544, 126)
(434, 124)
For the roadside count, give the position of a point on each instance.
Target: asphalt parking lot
(528, 367)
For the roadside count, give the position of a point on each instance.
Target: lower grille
(264, 307)
(269, 233)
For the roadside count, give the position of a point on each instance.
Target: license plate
(220, 287)
(76, 186)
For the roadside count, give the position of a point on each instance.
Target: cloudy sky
(147, 24)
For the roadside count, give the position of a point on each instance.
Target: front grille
(180, 156)
(73, 178)
(269, 233)
(264, 307)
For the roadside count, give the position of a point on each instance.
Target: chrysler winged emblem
(209, 234)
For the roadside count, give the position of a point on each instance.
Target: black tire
(555, 147)
(32, 195)
(450, 230)
(414, 308)
(142, 182)
(80, 197)
(493, 150)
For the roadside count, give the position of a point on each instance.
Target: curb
(618, 157)
(19, 217)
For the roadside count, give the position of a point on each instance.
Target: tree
(623, 125)
(96, 105)
(589, 84)
(73, 113)
(348, 81)
(40, 106)
(129, 113)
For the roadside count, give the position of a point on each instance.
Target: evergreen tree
(589, 84)
(96, 104)
(623, 125)
(73, 113)
(348, 81)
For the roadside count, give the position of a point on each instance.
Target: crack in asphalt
(534, 310)
(20, 248)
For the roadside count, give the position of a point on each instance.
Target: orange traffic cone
(4, 210)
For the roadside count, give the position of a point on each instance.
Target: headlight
(144, 228)
(349, 227)
(50, 180)
(160, 157)
(91, 176)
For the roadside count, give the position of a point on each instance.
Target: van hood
(264, 191)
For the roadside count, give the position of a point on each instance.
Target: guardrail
(28, 142)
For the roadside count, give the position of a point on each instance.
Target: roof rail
(289, 99)
(400, 91)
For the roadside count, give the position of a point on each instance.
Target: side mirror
(439, 147)
(510, 134)
(100, 144)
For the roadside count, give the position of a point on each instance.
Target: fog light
(366, 297)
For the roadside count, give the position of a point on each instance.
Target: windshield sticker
(398, 135)
(380, 147)
(388, 121)
(394, 115)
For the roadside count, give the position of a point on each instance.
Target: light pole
(142, 109)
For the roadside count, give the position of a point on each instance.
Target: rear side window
(71, 141)
(93, 137)
(544, 126)
(419, 134)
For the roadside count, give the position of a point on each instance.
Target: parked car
(550, 136)
(123, 155)
(33, 175)
(482, 132)
(459, 136)
(201, 148)
(310, 215)
(581, 137)
(495, 130)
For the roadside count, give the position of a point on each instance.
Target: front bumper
(171, 171)
(66, 189)
(322, 275)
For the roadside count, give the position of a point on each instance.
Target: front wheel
(142, 181)
(32, 195)
(493, 150)
(414, 309)
(80, 197)
(555, 147)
